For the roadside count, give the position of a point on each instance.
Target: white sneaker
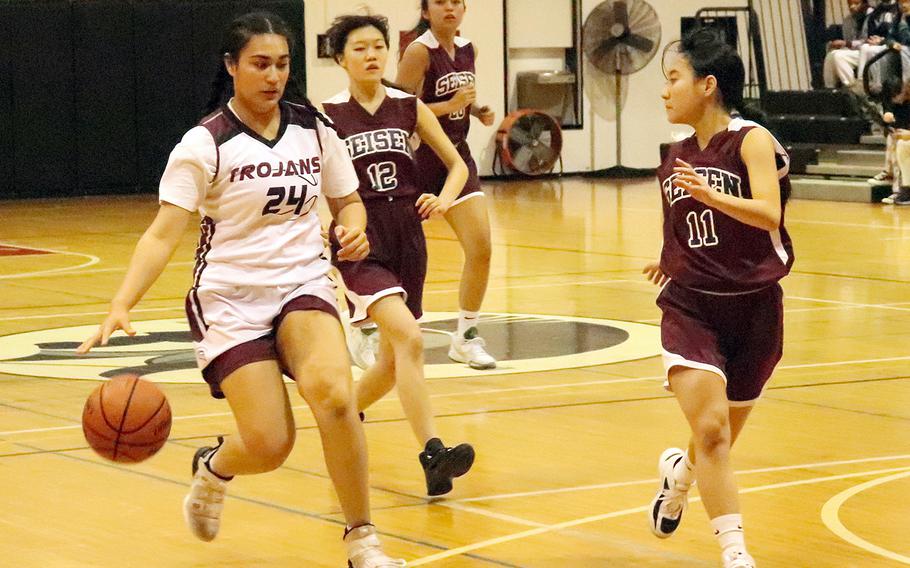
(668, 505)
(363, 346)
(365, 550)
(470, 349)
(202, 506)
(881, 178)
(738, 559)
(891, 198)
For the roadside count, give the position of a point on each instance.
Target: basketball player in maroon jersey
(261, 300)
(439, 67)
(724, 250)
(387, 287)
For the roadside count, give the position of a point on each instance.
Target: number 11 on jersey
(701, 229)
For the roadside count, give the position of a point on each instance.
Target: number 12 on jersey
(383, 176)
(701, 229)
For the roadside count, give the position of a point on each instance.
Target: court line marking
(448, 291)
(92, 260)
(647, 481)
(851, 304)
(498, 390)
(831, 517)
(77, 314)
(604, 516)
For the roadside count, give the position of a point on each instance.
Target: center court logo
(162, 350)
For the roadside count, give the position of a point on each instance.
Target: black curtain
(94, 94)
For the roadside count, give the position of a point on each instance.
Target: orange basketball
(126, 419)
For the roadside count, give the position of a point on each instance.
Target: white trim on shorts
(673, 360)
(362, 304)
(228, 329)
(464, 198)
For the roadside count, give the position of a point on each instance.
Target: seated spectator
(843, 57)
(898, 117)
(878, 26)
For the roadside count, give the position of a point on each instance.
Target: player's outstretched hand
(694, 183)
(429, 205)
(654, 274)
(354, 244)
(118, 318)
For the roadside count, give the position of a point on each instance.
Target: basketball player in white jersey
(261, 302)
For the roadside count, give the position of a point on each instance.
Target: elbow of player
(771, 222)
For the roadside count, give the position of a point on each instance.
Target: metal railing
(779, 40)
(749, 43)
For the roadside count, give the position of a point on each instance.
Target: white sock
(728, 529)
(466, 320)
(684, 473)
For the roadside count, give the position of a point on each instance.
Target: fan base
(622, 172)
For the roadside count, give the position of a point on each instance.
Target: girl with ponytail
(439, 67)
(261, 303)
(725, 249)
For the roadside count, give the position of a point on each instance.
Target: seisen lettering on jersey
(304, 168)
(719, 180)
(453, 81)
(386, 140)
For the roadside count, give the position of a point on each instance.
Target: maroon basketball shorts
(397, 263)
(738, 337)
(432, 173)
(236, 326)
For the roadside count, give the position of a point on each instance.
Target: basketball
(126, 419)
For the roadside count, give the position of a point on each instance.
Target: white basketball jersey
(258, 198)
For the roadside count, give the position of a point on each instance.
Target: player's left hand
(486, 115)
(429, 205)
(354, 244)
(694, 183)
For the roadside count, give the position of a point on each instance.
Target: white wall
(591, 148)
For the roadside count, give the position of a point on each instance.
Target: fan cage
(503, 139)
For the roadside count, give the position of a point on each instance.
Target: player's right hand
(354, 243)
(118, 318)
(654, 274)
(465, 96)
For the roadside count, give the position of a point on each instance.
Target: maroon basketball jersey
(705, 249)
(378, 143)
(444, 77)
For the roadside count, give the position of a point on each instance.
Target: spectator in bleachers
(896, 104)
(898, 117)
(843, 57)
(878, 26)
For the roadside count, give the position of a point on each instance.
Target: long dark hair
(424, 24)
(239, 33)
(709, 54)
(343, 26)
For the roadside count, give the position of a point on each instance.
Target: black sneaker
(903, 197)
(442, 464)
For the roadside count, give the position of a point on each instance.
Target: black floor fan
(620, 38)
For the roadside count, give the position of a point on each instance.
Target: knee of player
(326, 389)
(269, 447)
(712, 430)
(407, 338)
(480, 252)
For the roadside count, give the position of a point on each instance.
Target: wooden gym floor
(566, 453)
